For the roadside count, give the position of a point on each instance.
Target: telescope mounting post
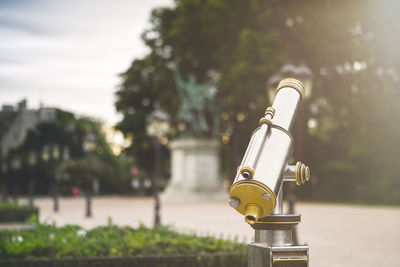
(273, 245)
(256, 191)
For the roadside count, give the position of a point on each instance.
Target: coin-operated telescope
(257, 189)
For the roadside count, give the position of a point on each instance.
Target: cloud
(69, 53)
(15, 25)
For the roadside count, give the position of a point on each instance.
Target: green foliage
(146, 84)
(58, 143)
(50, 241)
(16, 213)
(192, 260)
(350, 47)
(79, 171)
(228, 42)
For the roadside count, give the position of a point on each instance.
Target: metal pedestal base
(263, 255)
(274, 245)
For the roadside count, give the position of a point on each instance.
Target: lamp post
(4, 171)
(157, 128)
(45, 157)
(32, 159)
(15, 165)
(55, 156)
(305, 75)
(89, 146)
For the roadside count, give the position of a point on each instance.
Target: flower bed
(209, 260)
(71, 245)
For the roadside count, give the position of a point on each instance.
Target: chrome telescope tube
(260, 175)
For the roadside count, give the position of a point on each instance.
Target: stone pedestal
(195, 171)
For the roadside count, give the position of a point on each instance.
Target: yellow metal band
(248, 169)
(302, 171)
(307, 173)
(297, 174)
(286, 132)
(270, 110)
(265, 121)
(292, 83)
(255, 130)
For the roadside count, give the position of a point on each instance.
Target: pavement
(338, 235)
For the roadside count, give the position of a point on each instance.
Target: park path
(338, 235)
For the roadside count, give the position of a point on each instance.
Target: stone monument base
(195, 171)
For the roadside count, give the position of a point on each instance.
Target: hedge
(209, 260)
(49, 245)
(16, 213)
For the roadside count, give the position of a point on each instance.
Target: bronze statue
(198, 111)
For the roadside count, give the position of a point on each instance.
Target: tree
(146, 85)
(350, 48)
(48, 145)
(225, 41)
(83, 172)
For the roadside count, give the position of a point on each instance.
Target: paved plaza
(338, 235)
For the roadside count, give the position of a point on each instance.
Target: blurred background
(84, 65)
(78, 80)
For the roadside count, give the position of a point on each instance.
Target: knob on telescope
(302, 173)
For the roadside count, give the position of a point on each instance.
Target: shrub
(16, 213)
(50, 241)
(214, 260)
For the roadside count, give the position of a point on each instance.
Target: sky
(68, 54)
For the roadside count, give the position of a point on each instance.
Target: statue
(198, 111)
(195, 159)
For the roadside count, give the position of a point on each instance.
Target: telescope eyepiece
(252, 214)
(250, 219)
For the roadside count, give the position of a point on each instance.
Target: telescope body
(261, 173)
